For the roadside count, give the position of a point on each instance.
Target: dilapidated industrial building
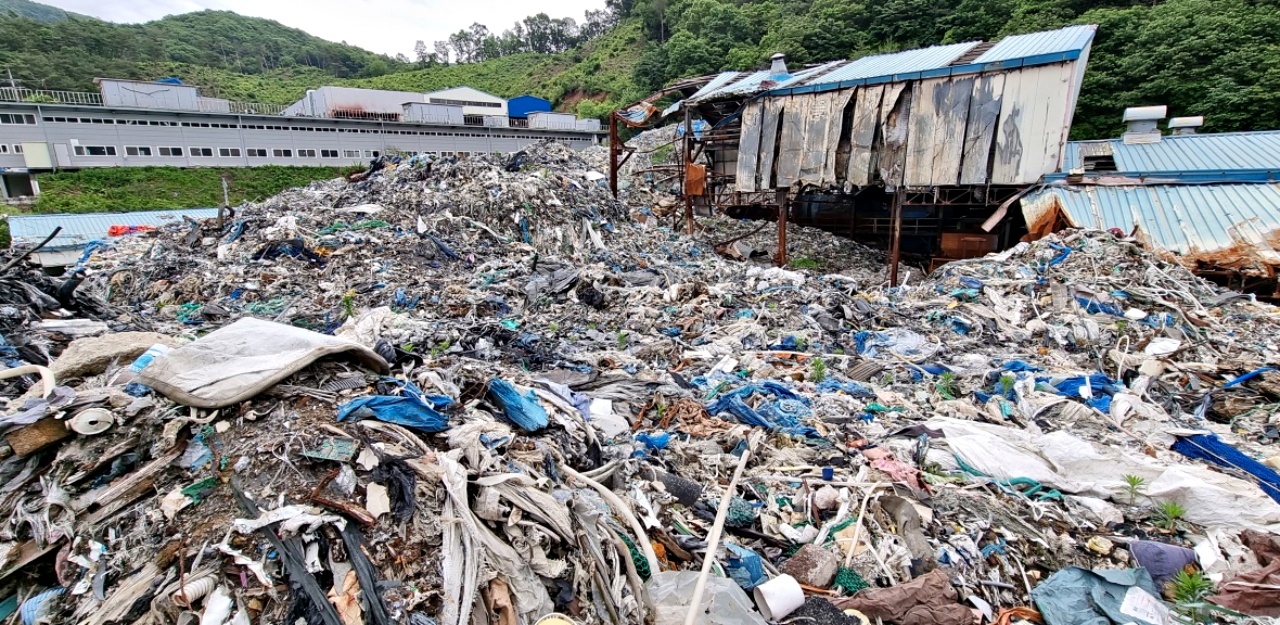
(924, 145)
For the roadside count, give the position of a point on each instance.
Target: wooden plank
(749, 148)
(835, 129)
(29, 439)
(866, 118)
(791, 145)
(1008, 160)
(984, 111)
(917, 168)
(100, 497)
(773, 108)
(949, 127)
(895, 121)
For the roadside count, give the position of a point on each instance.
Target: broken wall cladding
(1233, 226)
(1006, 127)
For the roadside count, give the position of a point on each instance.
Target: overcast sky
(381, 26)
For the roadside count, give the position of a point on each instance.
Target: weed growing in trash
(1169, 514)
(947, 385)
(1134, 486)
(1190, 587)
(818, 370)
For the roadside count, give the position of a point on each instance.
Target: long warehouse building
(98, 132)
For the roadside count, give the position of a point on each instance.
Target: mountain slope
(33, 10)
(69, 53)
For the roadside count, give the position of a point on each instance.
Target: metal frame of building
(959, 129)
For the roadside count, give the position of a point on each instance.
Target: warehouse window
(280, 153)
(306, 153)
(4, 149)
(257, 152)
(351, 154)
(137, 150)
(17, 118)
(328, 154)
(170, 151)
(17, 148)
(95, 150)
(202, 152)
(372, 154)
(232, 152)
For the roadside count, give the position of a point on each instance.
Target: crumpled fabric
(925, 600)
(1162, 560)
(1255, 593)
(1076, 596)
(781, 415)
(413, 409)
(522, 410)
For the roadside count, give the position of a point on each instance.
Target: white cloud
(377, 25)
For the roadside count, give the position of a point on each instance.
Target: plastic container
(778, 597)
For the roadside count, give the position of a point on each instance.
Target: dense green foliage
(70, 53)
(32, 10)
(123, 189)
(1219, 58)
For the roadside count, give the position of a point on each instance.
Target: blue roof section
(1072, 38)
(1225, 157)
(1040, 48)
(79, 229)
(1184, 219)
(905, 62)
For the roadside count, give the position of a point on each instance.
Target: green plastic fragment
(848, 581)
(641, 562)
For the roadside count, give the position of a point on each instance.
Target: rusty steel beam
(783, 209)
(895, 244)
(613, 154)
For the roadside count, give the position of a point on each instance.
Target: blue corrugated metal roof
(1040, 48)
(1230, 156)
(1180, 218)
(905, 62)
(1035, 44)
(80, 229)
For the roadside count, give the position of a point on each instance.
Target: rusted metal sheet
(769, 140)
(1032, 123)
(822, 133)
(984, 110)
(791, 143)
(835, 126)
(1228, 226)
(895, 121)
(749, 148)
(862, 139)
(940, 108)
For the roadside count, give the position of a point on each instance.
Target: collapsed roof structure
(955, 130)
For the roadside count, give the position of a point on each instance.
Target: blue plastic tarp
(783, 414)
(1076, 596)
(522, 410)
(412, 408)
(1210, 447)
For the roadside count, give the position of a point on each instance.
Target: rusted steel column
(783, 209)
(614, 148)
(895, 245)
(687, 150)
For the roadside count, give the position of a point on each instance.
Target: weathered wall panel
(1032, 123)
(791, 144)
(895, 121)
(866, 119)
(952, 106)
(773, 108)
(917, 169)
(984, 112)
(835, 127)
(749, 147)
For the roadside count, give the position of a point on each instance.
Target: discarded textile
(925, 600)
(1255, 593)
(522, 410)
(412, 408)
(1076, 596)
(1161, 560)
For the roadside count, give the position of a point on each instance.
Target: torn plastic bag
(522, 410)
(723, 602)
(413, 409)
(1078, 467)
(925, 600)
(235, 363)
(1210, 447)
(1254, 593)
(1076, 596)
(781, 415)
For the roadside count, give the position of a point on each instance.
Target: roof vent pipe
(1185, 125)
(1142, 123)
(778, 68)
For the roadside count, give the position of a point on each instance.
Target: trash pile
(483, 391)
